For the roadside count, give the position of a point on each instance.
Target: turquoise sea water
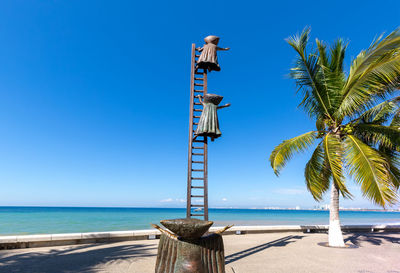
(36, 220)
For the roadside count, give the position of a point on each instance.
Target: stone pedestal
(204, 255)
(184, 249)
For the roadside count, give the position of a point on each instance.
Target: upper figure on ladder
(208, 59)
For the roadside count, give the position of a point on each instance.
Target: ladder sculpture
(197, 180)
(184, 247)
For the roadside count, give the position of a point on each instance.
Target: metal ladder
(197, 180)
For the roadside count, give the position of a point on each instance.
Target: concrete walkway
(252, 253)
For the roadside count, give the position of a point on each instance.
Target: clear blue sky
(94, 97)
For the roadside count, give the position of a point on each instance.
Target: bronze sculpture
(208, 58)
(203, 60)
(208, 124)
(184, 248)
(188, 251)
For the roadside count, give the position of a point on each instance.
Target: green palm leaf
(308, 77)
(334, 157)
(374, 72)
(317, 173)
(337, 56)
(393, 159)
(369, 169)
(380, 113)
(379, 135)
(284, 151)
(396, 121)
(332, 75)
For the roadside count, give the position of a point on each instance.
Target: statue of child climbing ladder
(208, 124)
(208, 59)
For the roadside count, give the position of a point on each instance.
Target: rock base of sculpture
(179, 254)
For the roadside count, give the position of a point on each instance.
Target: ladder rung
(195, 123)
(197, 178)
(199, 73)
(198, 84)
(197, 187)
(199, 162)
(197, 154)
(196, 214)
(197, 55)
(197, 196)
(198, 79)
(197, 206)
(197, 170)
(199, 91)
(197, 147)
(199, 141)
(198, 110)
(196, 116)
(198, 103)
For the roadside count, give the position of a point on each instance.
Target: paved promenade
(252, 253)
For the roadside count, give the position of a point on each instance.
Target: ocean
(39, 220)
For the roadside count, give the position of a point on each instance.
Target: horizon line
(246, 208)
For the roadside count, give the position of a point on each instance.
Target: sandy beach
(251, 253)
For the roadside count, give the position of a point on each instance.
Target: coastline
(61, 220)
(43, 240)
(212, 208)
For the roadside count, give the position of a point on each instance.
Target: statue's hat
(213, 98)
(211, 39)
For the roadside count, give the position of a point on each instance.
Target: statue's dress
(208, 58)
(208, 123)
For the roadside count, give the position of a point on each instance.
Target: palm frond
(317, 173)
(373, 73)
(334, 156)
(393, 159)
(299, 42)
(332, 72)
(308, 78)
(369, 169)
(284, 151)
(396, 121)
(323, 55)
(380, 113)
(378, 135)
(338, 51)
(395, 177)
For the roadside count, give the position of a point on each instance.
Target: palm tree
(352, 112)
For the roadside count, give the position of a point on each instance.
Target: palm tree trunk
(335, 232)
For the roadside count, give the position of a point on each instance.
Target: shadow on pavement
(372, 238)
(74, 259)
(250, 251)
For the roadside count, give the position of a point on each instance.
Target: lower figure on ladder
(208, 124)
